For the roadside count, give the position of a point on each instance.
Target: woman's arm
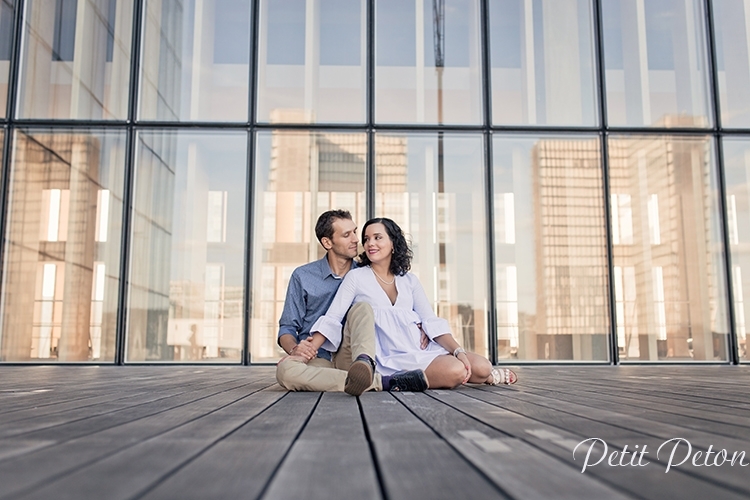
(432, 325)
(437, 328)
(326, 332)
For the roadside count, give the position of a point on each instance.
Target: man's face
(344, 242)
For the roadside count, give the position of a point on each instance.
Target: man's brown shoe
(359, 377)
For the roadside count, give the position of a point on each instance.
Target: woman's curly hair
(402, 254)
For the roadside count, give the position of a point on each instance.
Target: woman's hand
(306, 349)
(463, 358)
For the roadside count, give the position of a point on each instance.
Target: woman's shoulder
(410, 276)
(357, 273)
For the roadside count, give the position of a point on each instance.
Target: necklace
(381, 279)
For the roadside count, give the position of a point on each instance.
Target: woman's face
(377, 244)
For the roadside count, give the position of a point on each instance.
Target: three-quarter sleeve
(432, 325)
(295, 306)
(330, 324)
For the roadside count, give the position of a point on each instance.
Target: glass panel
(668, 252)
(298, 175)
(542, 63)
(312, 61)
(737, 178)
(7, 11)
(428, 66)
(550, 248)
(76, 59)
(62, 253)
(732, 28)
(188, 247)
(196, 58)
(433, 186)
(655, 61)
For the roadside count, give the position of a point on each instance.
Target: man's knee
(360, 310)
(285, 371)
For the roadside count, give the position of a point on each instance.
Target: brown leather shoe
(359, 377)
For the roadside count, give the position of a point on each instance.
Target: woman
(402, 312)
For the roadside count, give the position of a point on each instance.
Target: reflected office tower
(667, 249)
(432, 186)
(185, 299)
(62, 248)
(571, 309)
(306, 174)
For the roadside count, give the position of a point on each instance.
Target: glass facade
(667, 248)
(187, 246)
(195, 60)
(76, 59)
(7, 12)
(573, 175)
(550, 248)
(61, 254)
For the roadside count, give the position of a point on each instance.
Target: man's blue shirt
(310, 292)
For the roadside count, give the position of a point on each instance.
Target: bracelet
(458, 351)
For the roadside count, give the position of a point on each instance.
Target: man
(311, 290)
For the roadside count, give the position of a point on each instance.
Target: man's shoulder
(315, 267)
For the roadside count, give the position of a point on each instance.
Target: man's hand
(305, 349)
(424, 340)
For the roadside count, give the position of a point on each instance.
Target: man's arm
(290, 323)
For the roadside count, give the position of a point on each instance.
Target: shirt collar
(325, 267)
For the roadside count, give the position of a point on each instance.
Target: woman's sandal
(503, 376)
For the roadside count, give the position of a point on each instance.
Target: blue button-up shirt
(310, 292)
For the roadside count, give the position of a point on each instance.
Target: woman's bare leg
(481, 368)
(445, 372)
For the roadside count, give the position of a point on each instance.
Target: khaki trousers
(322, 375)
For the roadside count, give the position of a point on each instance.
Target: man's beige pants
(322, 375)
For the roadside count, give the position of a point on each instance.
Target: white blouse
(397, 336)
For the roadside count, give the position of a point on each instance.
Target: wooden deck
(209, 432)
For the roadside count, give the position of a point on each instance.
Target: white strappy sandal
(503, 376)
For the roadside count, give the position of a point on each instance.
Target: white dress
(397, 336)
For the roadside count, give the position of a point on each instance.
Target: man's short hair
(324, 226)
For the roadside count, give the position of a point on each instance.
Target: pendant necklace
(381, 279)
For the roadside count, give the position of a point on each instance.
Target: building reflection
(62, 249)
(186, 275)
(666, 235)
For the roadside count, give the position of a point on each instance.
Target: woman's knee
(456, 373)
(481, 367)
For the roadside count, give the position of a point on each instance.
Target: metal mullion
(371, 177)
(732, 341)
(250, 181)
(614, 351)
(253, 70)
(248, 277)
(9, 131)
(128, 187)
(489, 181)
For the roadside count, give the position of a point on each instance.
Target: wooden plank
(559, 429)
(657, 412)
(331, 458)
(701, 401)
(505, 459)
(412, 460)
(135, 469)
(241, 465)
(31, 469)
(80, 422)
